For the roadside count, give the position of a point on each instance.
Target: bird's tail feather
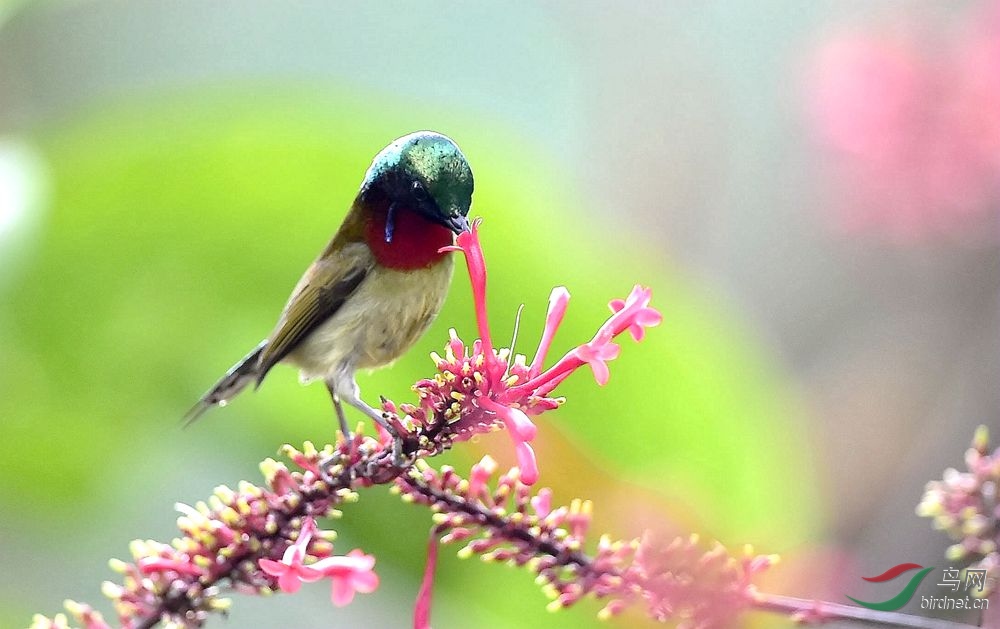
(236, 379)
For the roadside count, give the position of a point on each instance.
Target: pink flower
(521, 431)
(478, 390)
(290, 571)
(558, 300)
(643, 316)
(481, 472)
(527, 463)
(542, 502)
(598, 355)
(351, 573)
(634, 315)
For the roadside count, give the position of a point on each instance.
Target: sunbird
(378, 284)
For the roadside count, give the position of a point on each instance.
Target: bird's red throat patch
(415, 239)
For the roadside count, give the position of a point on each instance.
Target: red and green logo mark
(905, 595)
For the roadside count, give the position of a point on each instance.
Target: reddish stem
(422, 610)
(817, 612)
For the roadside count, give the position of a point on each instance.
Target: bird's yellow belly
(382, 319)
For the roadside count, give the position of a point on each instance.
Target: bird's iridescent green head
(425, 171)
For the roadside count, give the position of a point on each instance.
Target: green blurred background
(168, 169)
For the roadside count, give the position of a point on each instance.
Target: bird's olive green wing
(324, 288)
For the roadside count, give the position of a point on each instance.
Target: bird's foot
(400, 459)
(343, 477)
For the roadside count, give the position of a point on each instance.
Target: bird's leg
(397, 441)
(340, 412)
(347, 391)
(342, 419)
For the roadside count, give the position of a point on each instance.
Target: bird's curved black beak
(458, 224)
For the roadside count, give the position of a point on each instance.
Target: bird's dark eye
(419, 191)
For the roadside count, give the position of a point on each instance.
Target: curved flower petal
(601, 372)
(365, 582)
(308, 574)
(520, 424)
(355, 561)
(342, 591)
(521, 430)
(360, 560)
(272, 567)
(597, 356)
(642, 319)
(289, 581)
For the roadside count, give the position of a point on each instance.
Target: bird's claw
(324, 471)
(399, 456)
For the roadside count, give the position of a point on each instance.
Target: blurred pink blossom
(912, 125)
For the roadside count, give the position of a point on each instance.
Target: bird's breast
(379, 322)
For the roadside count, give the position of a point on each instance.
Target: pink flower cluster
(966, 506)
(680, 580)
(506, 522)
(479, 389)
(252, 540)
(913, 125)
(84, 614)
